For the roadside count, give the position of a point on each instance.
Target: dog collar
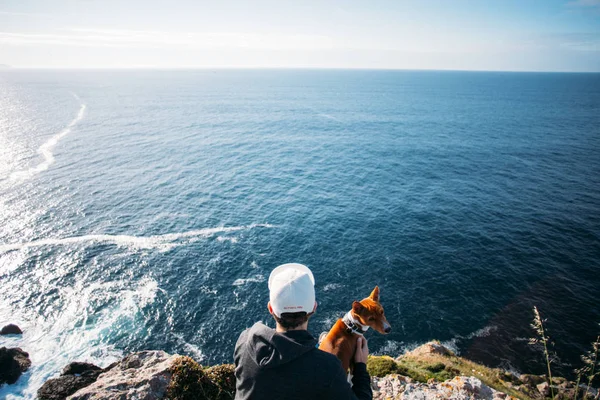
(353, 325)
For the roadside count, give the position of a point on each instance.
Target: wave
(329, 116)
(244, 281)
(453, 344)
(45, 150)
(162, 242)
(332, 286)
(227, 239)
(76, 332)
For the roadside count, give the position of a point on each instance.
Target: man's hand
(362, 350)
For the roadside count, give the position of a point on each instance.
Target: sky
(506, 35)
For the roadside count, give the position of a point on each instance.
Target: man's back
(287, 365)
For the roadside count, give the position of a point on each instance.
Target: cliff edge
(429, 372)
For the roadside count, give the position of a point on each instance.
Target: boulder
(74, 376)
(13, 362)
(77, 368)
(62, 387)
(11, 329)
(144, 375)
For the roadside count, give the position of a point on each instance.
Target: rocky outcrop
(144, 375)
(389, 387)
(428, 372)
(11, 329)
(398, 387)
(74, 376)
(13, 362)
(459, 388)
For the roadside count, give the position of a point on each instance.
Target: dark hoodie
(273, 365)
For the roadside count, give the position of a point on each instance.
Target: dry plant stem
(577, 384)
(538, 323)
(594, 361)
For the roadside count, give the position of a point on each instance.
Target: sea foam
(46, 149)
(161, 242)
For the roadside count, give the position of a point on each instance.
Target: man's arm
(340, 389)
(361, 381)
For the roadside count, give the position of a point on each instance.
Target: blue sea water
(145, 209)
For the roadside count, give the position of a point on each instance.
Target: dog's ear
(357, 307)
(375, 294)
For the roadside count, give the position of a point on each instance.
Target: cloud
(151, 39)
(22, 14)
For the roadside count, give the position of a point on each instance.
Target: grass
(591, 363)
(423, 368)
(544, 339)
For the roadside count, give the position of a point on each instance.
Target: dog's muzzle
(387, 328)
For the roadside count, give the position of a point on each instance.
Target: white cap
(291, 289)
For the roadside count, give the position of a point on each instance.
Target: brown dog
(341, 339)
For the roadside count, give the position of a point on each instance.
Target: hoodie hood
(268, 348)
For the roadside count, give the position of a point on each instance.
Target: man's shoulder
(325, 357)
(257, 329)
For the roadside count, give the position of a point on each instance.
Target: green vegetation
(223, 376)
(430, 362)
(191, 382)
(382, 365)
(440, 367)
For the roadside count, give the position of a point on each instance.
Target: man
(284, 363)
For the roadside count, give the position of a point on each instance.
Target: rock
(508, 377)
(389, 387)
(76, 367)
(74, 376)
(62, 387)
(532, 380)
(459, 388)
(11, 329)
(13, 362)
(544, 389)
(430, 348)
(559, 380)
(592, 393)
(144, 375)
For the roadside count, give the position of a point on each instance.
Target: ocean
(144, 209)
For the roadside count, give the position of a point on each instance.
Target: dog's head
(369, 312)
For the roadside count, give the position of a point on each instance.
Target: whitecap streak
(161, 242)
(244, 281)
(46, 149)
